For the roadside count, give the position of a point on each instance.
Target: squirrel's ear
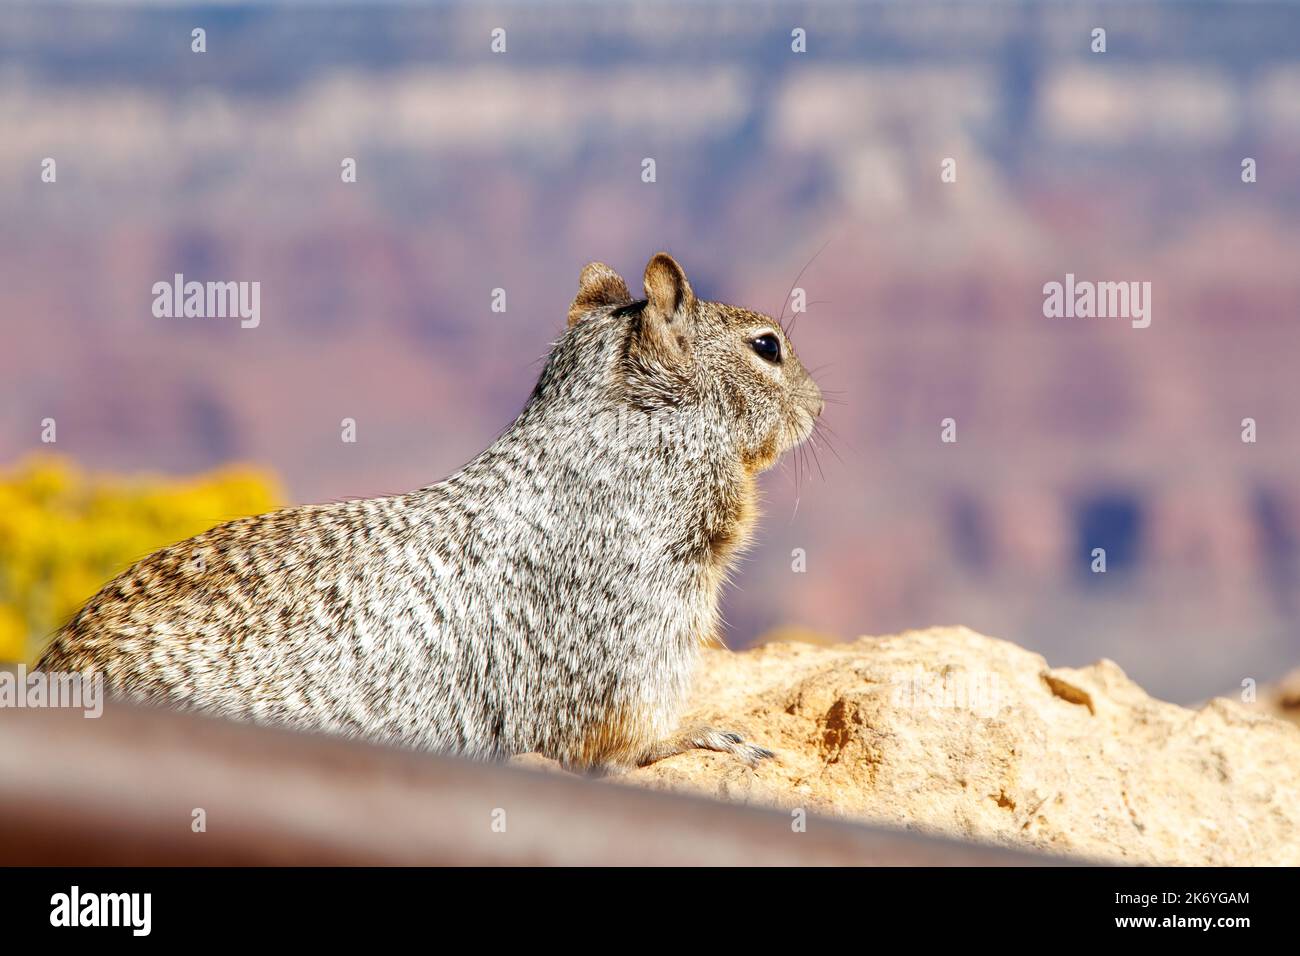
(598, 286)
(667, 326)
(669, 297)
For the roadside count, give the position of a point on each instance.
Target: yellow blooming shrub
(64, 534)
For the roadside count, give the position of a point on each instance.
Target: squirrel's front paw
(707, 738)
(728, 741)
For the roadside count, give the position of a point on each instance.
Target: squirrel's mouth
(797, 429)
(806, 412)
(805, 424)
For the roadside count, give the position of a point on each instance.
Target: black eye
(768, 347)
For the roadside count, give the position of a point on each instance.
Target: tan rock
(1283, 698)
(947, 731)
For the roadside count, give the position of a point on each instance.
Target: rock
(1283, 698)
(951, 732)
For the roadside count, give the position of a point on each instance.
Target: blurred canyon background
(478, 170)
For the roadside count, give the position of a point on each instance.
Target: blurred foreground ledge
(123, 790)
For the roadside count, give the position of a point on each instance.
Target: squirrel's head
(727, 369)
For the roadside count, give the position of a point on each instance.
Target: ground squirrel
(551, 596)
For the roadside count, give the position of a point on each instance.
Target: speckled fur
(551, 596)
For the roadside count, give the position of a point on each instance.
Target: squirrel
(552, 596)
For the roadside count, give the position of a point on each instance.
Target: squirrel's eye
(768, 347)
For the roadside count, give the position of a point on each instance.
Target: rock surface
(947, 731)
(1283, 698)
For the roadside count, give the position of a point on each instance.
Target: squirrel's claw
(752, 754)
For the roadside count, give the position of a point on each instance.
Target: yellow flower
(64, 534)
(13, 634)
